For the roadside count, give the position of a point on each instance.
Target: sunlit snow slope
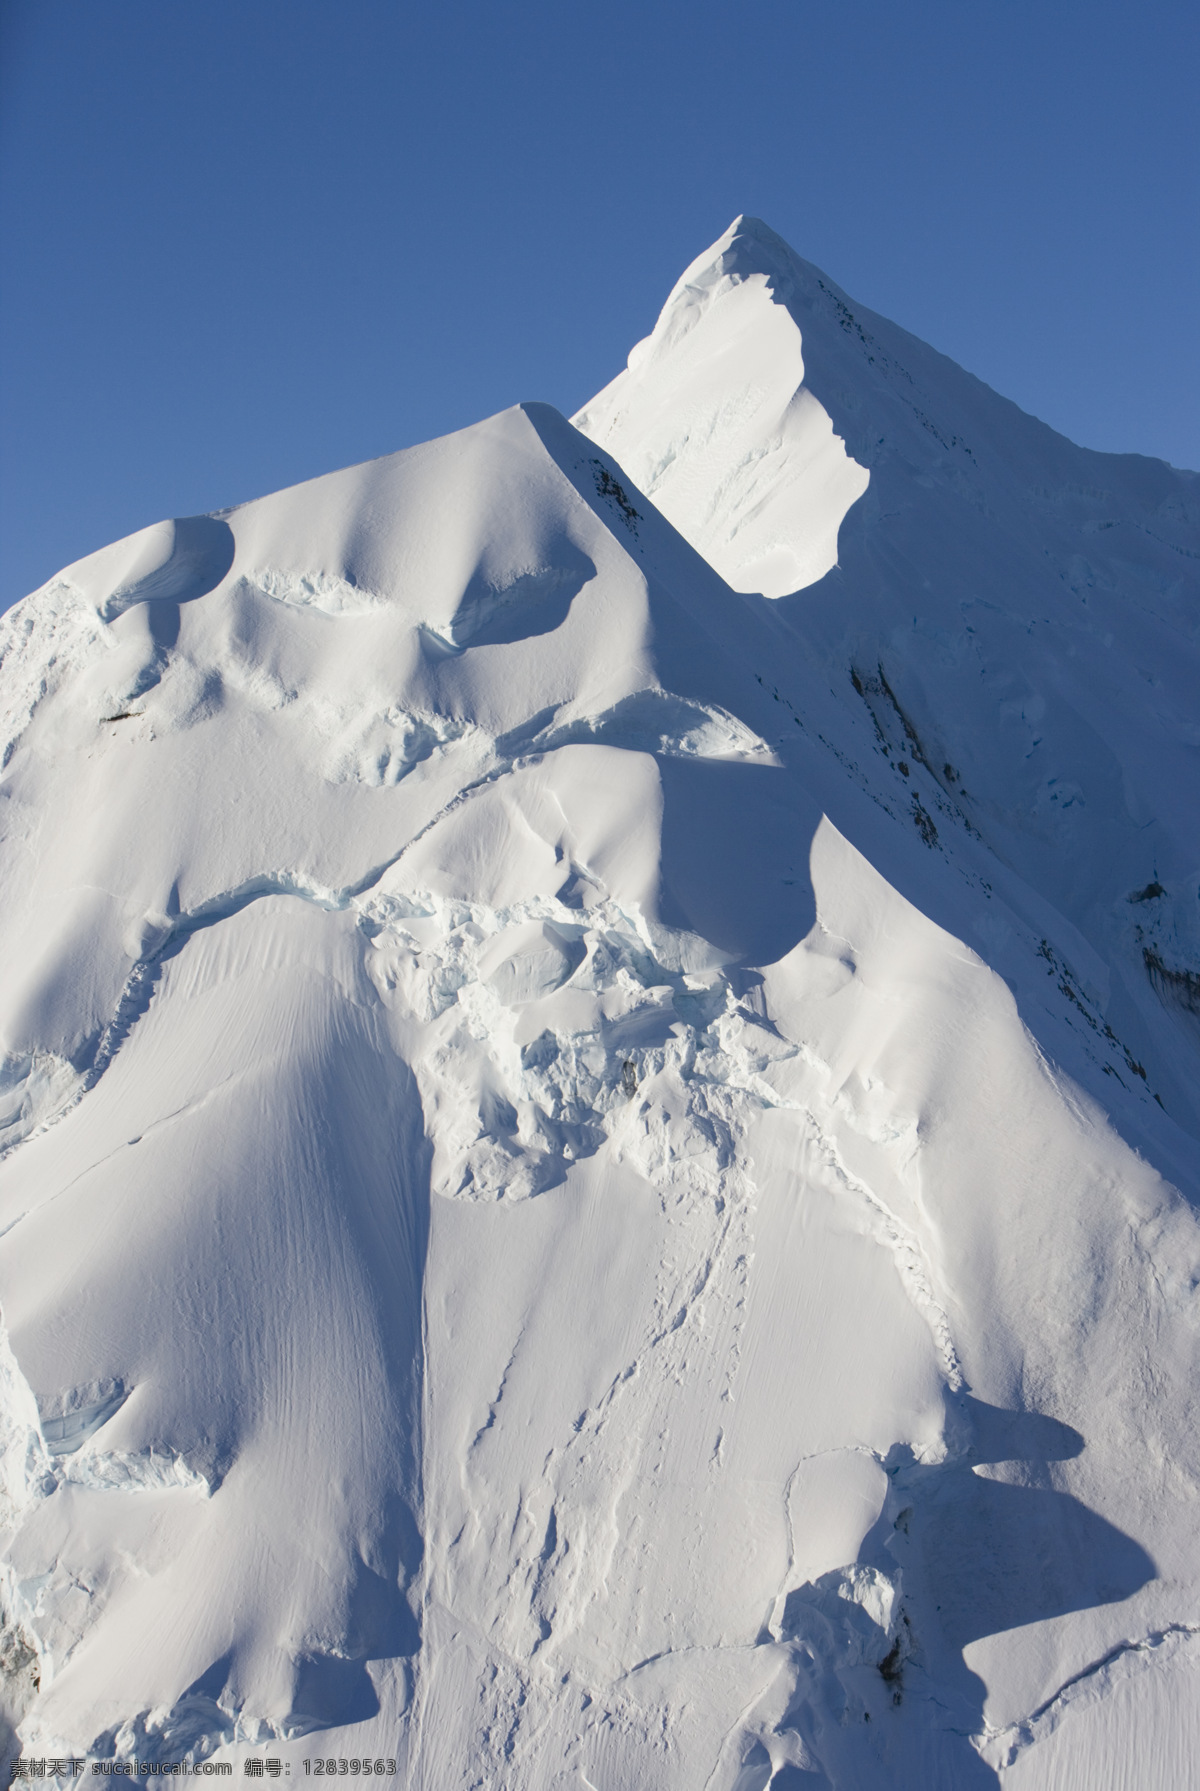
(599, 1175)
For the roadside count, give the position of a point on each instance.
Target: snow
(598, 1103)
(714, 421)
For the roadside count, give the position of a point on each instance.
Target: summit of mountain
(1010, 617)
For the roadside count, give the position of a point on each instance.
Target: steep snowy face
(264, 772)
(576, 1205)
(714, 421)
(1011, 633)
(211, 682)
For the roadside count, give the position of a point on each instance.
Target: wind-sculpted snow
(653, 721)
(40, 645)
(746, 465)
(1010, 629)
(597, 1173)
(1178, 1644)
(317, 590)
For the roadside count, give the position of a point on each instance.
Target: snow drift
(598, 1107)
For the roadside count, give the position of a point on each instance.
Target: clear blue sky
(247, 241)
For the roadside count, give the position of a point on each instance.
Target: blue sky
(247, 241)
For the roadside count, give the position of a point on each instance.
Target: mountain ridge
(584, 1195)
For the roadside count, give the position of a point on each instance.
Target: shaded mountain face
(598, 1098)
(1010, 631)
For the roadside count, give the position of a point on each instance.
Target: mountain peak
(749, 246)
(714, 420)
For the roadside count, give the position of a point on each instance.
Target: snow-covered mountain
(600, 1164)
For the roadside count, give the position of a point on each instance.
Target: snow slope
(1011, 632)
(577, 1208)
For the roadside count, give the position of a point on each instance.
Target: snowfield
(599, 1099)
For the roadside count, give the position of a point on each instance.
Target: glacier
(598, 1098)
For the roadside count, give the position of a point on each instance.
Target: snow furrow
(1176, 1642)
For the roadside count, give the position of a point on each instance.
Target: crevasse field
(600, 1096)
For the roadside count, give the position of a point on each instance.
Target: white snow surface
(599, 1165)
(714, 420)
